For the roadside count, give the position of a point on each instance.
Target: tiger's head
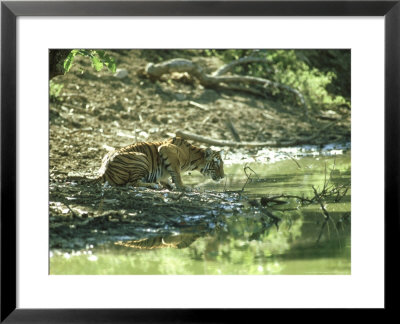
(214, 165)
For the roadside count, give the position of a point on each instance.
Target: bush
(312, 72)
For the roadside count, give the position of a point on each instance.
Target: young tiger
(154, 162)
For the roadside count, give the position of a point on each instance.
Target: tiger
(148, 163)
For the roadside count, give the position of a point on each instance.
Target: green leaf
(101, 54)
(68, 61)
(110, 63)
(96, 63)
(112, 67)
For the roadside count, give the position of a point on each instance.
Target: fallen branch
(244, 89)
(217, 79)
(244, 60)
(211, 141)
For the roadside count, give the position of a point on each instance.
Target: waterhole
(285, 212)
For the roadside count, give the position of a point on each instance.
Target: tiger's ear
(208, 152)
(221, 153)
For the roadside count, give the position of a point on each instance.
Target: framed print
(164, 158)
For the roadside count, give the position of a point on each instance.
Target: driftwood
(218, 79)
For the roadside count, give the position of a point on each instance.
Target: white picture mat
(363, 288)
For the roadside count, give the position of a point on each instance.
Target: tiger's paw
(167, 185)
(155, 186)
(145, 185)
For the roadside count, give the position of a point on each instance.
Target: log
(210, 141)
(214, 142)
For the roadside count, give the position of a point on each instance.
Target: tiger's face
(214, 165)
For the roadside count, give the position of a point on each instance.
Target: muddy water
(262, 219)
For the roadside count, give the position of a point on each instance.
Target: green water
(295, 240)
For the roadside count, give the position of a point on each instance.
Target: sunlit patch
(92, 258)
(273, 155)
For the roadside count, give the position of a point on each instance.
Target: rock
(164, 120)
(180, 96)
(121, 73)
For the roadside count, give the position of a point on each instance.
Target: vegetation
(55, 90)
(60, 61)
(322, 76)
(99, 59)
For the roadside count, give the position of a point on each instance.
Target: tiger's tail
(101, 172)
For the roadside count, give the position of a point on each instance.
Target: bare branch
(211, 141)
(244, 60)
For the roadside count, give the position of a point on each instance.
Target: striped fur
(155, 162)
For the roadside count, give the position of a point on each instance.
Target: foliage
(337, 61)
(55, 89)
(99, 58)
(310, 81)
(322, 76)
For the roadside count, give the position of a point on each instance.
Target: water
(254, 229)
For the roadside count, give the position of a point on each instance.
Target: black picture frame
(10, 10)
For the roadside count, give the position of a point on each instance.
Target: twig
(247, 175)
(274, 199)
(233, 130)
(297, 163)
(275, 219)
(324, 212)
(73, 213)
(198, 105)
(321, 231)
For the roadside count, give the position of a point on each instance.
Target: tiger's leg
(127, 168)
(170, 158)
(139, 170)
